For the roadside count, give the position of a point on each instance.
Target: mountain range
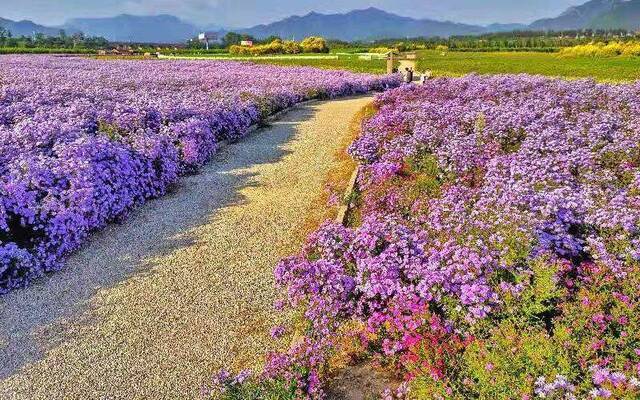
(130, 28)
(367, 24)
(370, 23)
(595, 14)
(26, 28)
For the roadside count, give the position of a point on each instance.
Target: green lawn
(348, 63)
(326, 61)
(614, 69)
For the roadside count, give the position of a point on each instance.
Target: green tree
(77, 39)
(5, 34)
(233, 38)
(271, 39)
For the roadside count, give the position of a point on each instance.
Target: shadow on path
(33, 320)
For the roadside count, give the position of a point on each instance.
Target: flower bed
(82, 142)
(497, 253)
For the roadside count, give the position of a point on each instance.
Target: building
(208, 37)
(247, 43)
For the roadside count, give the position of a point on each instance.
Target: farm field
(348, 62)
(605, 69)
(616, 69)
(83, 142)
(353, 64)
(493, 252)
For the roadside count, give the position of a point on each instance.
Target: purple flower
(278, 331)
(83, 142)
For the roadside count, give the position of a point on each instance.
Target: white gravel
(151, 308)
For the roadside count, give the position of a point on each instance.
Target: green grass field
(348, 63)
(604, 69)
(613, 69)
(325, 61)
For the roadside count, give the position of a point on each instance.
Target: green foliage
(602, 321)
(428, 176)
(514, 348)
(233, 38)
(40, 43)
(424, 163)
(545, 330)
(537, 303)
(507, 365)
(269, 390)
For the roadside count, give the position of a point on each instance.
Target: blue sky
(236, 13)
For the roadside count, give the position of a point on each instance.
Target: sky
(244, 13)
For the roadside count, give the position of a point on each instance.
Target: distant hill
(624, 15)
(594, 14)
(506, 27)
(367, 24)
(27, 28)
(132, 28)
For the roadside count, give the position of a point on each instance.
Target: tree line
(77, 40)
(514, 40)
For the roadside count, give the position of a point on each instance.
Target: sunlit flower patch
(83, 142)
(498, 253)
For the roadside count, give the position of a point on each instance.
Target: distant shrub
(381, 50)
(291, 47)
(402, 46)
(611, 49)
(314, 44)
(278, 46)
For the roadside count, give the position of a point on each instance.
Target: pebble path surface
(151, 308)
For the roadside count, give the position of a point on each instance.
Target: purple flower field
(83, 142)
(496, 250)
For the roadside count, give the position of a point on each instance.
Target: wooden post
(390, 63)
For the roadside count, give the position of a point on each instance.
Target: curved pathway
(151, 308)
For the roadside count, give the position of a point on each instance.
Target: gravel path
(149, 309)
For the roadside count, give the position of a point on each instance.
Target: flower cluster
(499, 245)
(560, 388)
(82, 141)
